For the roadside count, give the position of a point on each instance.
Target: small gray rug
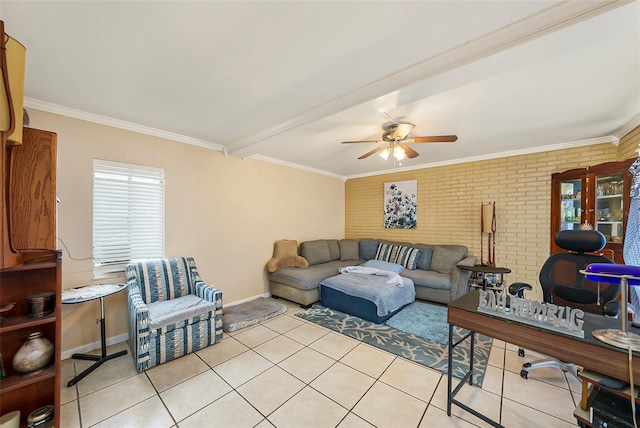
(249, 313)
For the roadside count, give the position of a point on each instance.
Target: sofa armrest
(138, 329)
(208, 293)
(460, 277)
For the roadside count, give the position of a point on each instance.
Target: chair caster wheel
(521, 352)
(524, 374)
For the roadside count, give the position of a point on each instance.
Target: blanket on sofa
(386, 297)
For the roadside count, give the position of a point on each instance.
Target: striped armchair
(171, 311)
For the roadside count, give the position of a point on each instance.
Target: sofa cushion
(424, 262)
(315, 252)
(379, 264)
(428, 278)
(349, 249)
(368, 248)
(386, 252)
(176, 313)
(446, 257)
(334, 249)
(309, 278)
(408, 257)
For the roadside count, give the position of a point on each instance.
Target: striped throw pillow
(408, 257)
(387, 253)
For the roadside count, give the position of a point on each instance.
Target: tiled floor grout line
(160, 397)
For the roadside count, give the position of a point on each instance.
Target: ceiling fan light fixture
(385, 153)
(399, 153)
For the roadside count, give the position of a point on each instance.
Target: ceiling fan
(396, 136)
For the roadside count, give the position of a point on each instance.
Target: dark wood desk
(589, 353)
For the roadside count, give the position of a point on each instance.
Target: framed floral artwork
(401, 204)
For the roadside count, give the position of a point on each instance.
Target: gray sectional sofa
(436, 277)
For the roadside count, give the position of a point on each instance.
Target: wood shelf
(22, 322)
(16, 381)
(49, 264)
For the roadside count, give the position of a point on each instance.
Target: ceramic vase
(35, 354)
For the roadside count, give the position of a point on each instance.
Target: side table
(85, 294)
(479, 274)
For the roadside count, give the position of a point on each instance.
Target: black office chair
(564, 285)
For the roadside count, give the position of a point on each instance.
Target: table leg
(449, 370)
(473, 341)
(452, 392)
(99, 359)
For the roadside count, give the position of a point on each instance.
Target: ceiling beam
(544, 22)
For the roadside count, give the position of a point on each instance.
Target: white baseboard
(246, 300)
(93, 346)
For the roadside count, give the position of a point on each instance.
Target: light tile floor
(287, 372)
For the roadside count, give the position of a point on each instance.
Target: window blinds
(128, 215)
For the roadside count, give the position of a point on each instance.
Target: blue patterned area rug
(406, 345)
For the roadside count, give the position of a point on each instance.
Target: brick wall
(629, 145)
(449, 200)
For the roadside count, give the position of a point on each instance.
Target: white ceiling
(289, 81)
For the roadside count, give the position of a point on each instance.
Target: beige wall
(449, 200)
(223, 211)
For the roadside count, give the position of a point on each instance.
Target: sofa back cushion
(446, 257)
(315, 252)
(349, 249)
(424, 262)
(368, 248)
(334, 249)
(162, 279)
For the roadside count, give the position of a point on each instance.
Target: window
(128, 215)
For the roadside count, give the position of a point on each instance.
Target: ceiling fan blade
(434, 139)
(401, 131)
(409, 151)
(369, 141)
(372, 152)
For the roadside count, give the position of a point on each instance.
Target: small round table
(484, 270)
(85, 294)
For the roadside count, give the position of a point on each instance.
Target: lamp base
(618, 338)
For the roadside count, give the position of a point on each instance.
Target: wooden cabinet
(31, 391)
(29, 174)
(32, 194)
(598, 195)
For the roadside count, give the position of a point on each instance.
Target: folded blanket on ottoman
(394, 278)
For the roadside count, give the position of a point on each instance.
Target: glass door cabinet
(597, 195)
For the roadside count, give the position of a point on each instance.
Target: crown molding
(548, 148)
(117, 123)
(546, 21)
(627, 127)
(295, 166)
